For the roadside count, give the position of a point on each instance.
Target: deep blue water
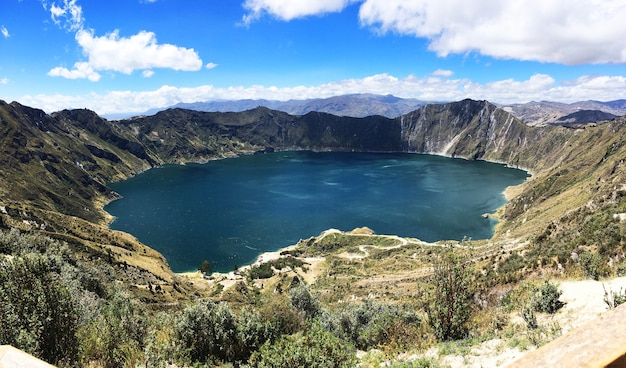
(229, 211)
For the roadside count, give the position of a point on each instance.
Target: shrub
(207, 331)
(262, 271)
(593, 265)
(449, 303)
(311, 348)
(613, 298)
(302, 299)
(370, 324)
(546, 299)
(37, 312)
(115, 337)
(528, 315)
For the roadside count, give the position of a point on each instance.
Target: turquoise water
(229, 211)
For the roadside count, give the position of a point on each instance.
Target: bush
(546, 299)
(115, 337)
(528, 315)
(262, 271)
(207, 331)
(371, 324)
(302, 299)
(593, 265)
(449, 303)
(613, 298)
(37, 312)
(312, 348)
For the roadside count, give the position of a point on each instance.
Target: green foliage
(302, 299)
(207, 331)
(37, 312)
(311, 348)
(546, 299)
(115, 337)
(254, 331)
(205, 267)
(370, 324)
(449, 304)
(528, 315)
(593, 265)
(614, 298)
(422, 362)
(261, 271)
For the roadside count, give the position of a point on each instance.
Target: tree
(449, 303)
(205, 267)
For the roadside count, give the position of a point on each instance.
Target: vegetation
(449, 302)
(75, 293)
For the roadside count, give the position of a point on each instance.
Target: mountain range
(362, 105)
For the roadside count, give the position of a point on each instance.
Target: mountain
(584, 116)
(354, 105)
(545, 112)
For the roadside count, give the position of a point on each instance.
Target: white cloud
(147, 73)
(432, 88)
(81, 70)
(66, 14)
(290, 9)
(443, 73)
(561, 31)
(137, 52)
(4, 81)
(4, 31)
(127, 54)
(210, 66)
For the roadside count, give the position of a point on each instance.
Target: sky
(129, 56)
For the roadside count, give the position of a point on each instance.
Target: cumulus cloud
(562, 31)
(210, 66)
(431, 88)
(4, 80)
(4, 31)
(289, 9)
(137, 52)
(67, 14)
(81, 70)
(127, 54)
(112, 52)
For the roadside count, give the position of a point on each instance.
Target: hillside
(55, 170)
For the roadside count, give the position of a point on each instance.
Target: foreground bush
(37, 312)
(311, 348)
(449, 303)
(371, 324)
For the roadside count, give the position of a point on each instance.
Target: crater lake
(229, 211)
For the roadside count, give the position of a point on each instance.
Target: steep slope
(54, 174)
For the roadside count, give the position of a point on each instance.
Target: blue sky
(127, 56)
